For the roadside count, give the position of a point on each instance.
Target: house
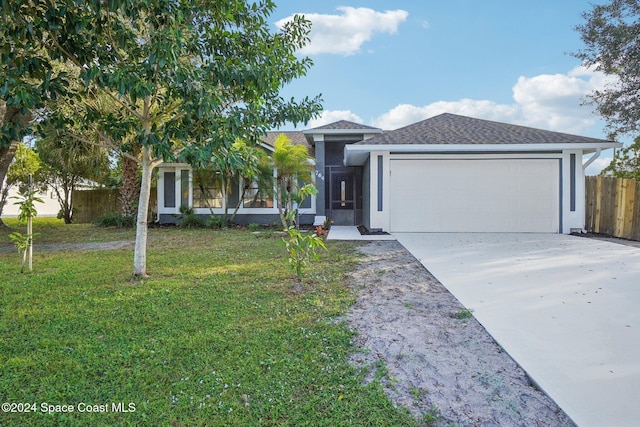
(48, 208)
(448, 173)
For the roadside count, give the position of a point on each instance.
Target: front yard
(219, 335)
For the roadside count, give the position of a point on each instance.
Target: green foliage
(301, 247)
(611, 34)
(28, 211)
(626, 162)
(253, 227)
(115, 219)
(27, 205)
(464, 314)
(188, 218)
(294, 167)
(217, 222)
(215, 337)
(25, 162)
(185, 77)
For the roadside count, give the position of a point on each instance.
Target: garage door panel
(491, 195)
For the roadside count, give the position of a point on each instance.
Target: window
(253, 198)
(207, 191)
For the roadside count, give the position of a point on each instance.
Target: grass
(218, 335)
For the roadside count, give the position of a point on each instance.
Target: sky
(389, 64)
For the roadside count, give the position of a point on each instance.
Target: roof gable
(452, 129)
(296, 137)
(344, 125)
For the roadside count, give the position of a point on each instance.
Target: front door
(342, 196)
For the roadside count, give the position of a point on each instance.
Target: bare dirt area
(432, 356)
(76, 247)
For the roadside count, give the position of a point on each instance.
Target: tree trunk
(7, 153)
(240, 200)
(130, 190)
(140, 251)
(279, 201)
(6, 157)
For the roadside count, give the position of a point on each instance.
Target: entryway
(344, 190)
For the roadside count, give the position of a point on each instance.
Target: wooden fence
(613, 206)
(90, 204)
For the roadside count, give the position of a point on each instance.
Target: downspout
(592, 159)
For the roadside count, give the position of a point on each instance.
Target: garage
(475, 195)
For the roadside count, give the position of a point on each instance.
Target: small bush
(253, 227)
(115, 219)
(217, 222)
(188, 218)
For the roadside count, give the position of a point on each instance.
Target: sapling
(24, 242)
(301, 247)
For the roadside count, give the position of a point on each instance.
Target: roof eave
(341, 131)
(357, 154)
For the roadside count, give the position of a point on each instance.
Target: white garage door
(488, 195)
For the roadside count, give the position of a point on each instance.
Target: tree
(28, 211)
(611, 35)
(256, 170)
(626, 162)
(25, 163)
(294, 166)
(187, 77)
(13, 125)
(67, 163)
(227, 162)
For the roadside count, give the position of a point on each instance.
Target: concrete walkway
(341, 232)
(566, 308)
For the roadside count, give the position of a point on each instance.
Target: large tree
(188, 76)
(68, 163)
(611, 34)
(626, 162)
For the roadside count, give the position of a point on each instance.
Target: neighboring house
(48, 208)
(448, 173)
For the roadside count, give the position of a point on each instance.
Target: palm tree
(294, 167)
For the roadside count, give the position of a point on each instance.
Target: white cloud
(327, 117)
(548, 101)
(596, 167)
(406, 114)
(345, 34)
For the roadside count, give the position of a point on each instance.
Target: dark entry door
(342, 196)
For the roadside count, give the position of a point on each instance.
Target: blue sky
(389, 64)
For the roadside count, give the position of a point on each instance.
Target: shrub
(253, 227)
(217, 222)
(115, 219)
(188, 218)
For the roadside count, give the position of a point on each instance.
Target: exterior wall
(320, 174)
(49, 208)
(573, 193)
(572, 190)
(379, 177)
(182, 193)
(366, 194)
(267, 220)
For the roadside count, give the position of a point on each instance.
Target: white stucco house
(448, 173)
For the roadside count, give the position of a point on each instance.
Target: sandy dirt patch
(432, 356)
(75, 247)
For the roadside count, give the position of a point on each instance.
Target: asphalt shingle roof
(344, 124)
(296, 137)
(454, 129)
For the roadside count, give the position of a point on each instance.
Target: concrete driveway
(566, 308)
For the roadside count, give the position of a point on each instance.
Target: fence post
(596, 227)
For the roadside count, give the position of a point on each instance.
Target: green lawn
(218, 335)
